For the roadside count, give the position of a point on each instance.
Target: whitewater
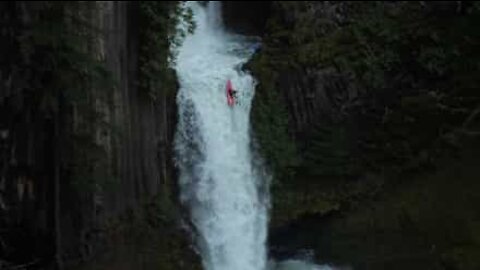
(222, 180)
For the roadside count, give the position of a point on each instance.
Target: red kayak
(230, 97)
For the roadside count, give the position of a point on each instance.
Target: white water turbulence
(219, 181)
(222, 180)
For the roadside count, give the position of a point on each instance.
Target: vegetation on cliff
(414, 69)
(59, 98)
(397, 86)
(45, 77)
(159, 38)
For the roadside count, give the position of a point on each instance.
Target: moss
(291, 205)
(159, 39)
(270, 120)
(406, 103)
(422, 222)
(379, 184)
(147, 238)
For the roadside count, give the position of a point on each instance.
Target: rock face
(140, 156)
(244, 17)
(310, 94)
(139, 152)
(135, 137)
(340, 129)
(315, 95)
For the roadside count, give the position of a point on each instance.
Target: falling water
(219, 180)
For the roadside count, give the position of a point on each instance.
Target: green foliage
(413, 66)
(160, 36)
(147, 238)
(271, 123)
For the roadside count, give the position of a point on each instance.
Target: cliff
(358, 111)
(86, 147)
(366, 113)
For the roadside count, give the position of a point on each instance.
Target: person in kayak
(231, 93)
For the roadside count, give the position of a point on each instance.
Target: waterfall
(219, 180)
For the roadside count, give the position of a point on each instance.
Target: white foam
(218, 179)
